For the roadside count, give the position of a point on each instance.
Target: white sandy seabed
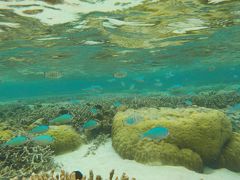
(107, 159)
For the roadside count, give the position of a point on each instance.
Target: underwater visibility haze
(134, 89)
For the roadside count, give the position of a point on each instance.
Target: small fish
(158, 84)
(129, 121)
(94, 89)
(94, 111)
(235, 76)
(43, 139)
(74, 101)
(176, 86)
(234, 108)
(188, 102)
(169, 75)
(157, 133)
(211, 68)
(117, 104)
(123, 84)
(62, 119)
(132, 87)
(90, 124)
(39, 129)
(111, 80)
(53, 75)
(120, 74)
(140, 79)
(132, 120)
(16, 141)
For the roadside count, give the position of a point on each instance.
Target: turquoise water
(94, 62)
(91, 55)
(200, 62)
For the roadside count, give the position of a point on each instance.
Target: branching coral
(63, 175)
(24, 159)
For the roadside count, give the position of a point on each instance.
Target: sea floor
(107, 159)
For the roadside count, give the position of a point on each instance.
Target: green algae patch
(65, 138)
(230, 157)
(196, 136)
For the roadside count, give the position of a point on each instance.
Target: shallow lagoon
(97, 61)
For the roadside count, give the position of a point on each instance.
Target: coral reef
(235, 119)
(65, 138)
(230, 157)
(203, 147)
(24, 159)
(72, 176)
(27, 116)
(190, 136)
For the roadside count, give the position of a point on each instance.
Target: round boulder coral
(196, 135)
(65, 138)
(230, 157)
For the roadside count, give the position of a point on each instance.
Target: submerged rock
(196, 136)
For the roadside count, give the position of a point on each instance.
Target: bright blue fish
(16, 141)
(63, 119)
(139, 79)
(94, 89)
(117, 104)
(176, 86)
(188, 102)
(94, 111)
(157, 133)
(43, 139)
(234, 108)
(75, 101)
(39, 129)
(132, 120)
(90, 124)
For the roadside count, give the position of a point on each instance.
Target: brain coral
(196, 135)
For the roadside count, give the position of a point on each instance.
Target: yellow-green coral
(150, 152)
(5, 135)
(201, 131)
(230, 157)
(65, 138)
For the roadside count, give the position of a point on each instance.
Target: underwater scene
(120, 89)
